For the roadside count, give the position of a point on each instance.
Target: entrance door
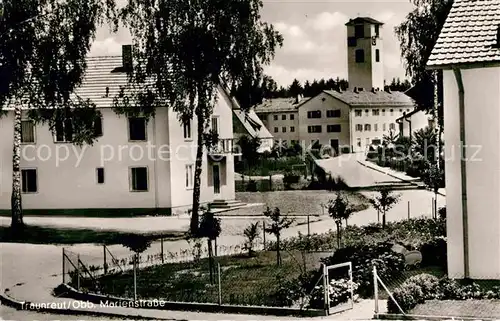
(334, 143)
(216, 178)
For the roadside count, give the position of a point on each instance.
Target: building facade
(136, 166)
(468, 52)
(413, 121)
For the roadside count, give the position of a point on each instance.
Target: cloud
(106, 47)
(328, 20)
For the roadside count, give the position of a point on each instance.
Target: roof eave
(466, 65)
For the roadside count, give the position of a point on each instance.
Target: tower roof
(362, 20)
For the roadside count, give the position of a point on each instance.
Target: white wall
(271, 124)
(419, 120)
(482, 116)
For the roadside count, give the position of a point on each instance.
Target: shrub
(434, 253)
(413, 291)
(251, 186)
(291, 177)
(442, 213)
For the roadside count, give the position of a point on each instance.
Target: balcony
(224, 146)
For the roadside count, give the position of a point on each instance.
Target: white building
(468, 52)
(413, 121)
(135, 167)
(249, 124)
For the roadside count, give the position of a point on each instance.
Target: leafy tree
(251, 233)
(339, 209)
(295, 88)
(187, 49)
(210, 228)
(137, 244)
(417, 36)
(278, 224)
(384, 201)
(249, 149)
(390, 139)
(43, 45)
(424, 144)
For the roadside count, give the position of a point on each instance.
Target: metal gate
(338, 276)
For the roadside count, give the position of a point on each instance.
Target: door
(216, 178)
(334, 143)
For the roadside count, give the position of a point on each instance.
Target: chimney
(127, 57)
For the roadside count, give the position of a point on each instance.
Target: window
(314, 114)
(215, 124)
(283, 117)
(408, 110)
(377, 55)
(100, 175)
(375, 127)
(359, 31)
(333, 113)
(292, 129)
(64, 131)
(377, 30)
(98, 127)
(367, 112)
(139, 179)
(314, 129)
(333, 128)
(358, 113)
(392, 126)
(283, 129)
(189, 176)
(292, 116)
(137, 129)
(187, 129)
(375, 112)
(27, 132)
(401, 111)
(29, 182)
(358, 142)
(351, 42)
(360, 55)
(384, 127)
(392, 112)
(275, 117)
(368, 127)
(276, 129)
(359, 128)
(383, 112)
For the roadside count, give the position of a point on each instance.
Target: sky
(314, 32)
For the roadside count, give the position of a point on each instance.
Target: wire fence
(429, 293)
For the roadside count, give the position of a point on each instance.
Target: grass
(271, 166)
(48, 235)
(244, 280)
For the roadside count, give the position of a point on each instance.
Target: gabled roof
(368, 98)
(277, 105)
(359, 20)
(468, 35)
(252, 123)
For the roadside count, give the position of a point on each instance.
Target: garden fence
(184, 276)
(426, 293)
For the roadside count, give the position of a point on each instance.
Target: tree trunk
(197, 174)
(210, 261)
(383, 220)
(338, 234)
(16, 203)
(278, 254)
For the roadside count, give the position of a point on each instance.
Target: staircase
(226, 205)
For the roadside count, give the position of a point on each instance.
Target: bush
(389, 264)
(290, 178)
(251, 186)
(442, 213)
(339, 291)
(434, 253)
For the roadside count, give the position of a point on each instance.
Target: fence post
(215, 247)
(219, 281)
(375, 289)
(105, 266)
(78, 273)
(135, 277)
(432, 207)
(325, 288)
(63, 267)
(264, 233)
(378, 216)
(162, 253)
(435, 208)
(408, 209)
(308, 227)
(270, 183)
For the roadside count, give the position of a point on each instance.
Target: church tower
(364, 54)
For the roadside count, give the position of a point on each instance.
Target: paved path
(32, 271)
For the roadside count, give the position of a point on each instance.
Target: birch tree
(186, 49)
(43, 45)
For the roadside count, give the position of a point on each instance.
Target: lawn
(297, 202)
(47, 235)
(244, 280)
(479, 309)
